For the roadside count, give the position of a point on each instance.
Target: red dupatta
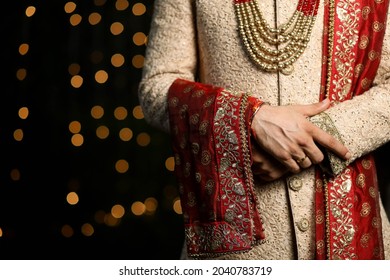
(210, 137)
(348, 221)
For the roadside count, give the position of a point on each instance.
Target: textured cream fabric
(198, 40)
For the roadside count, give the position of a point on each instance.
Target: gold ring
(301, 159)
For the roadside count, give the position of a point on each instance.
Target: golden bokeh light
(99, 2)
(110, 220)
(72, 198)
(87, 229)
(116, 28)
(170, 163)
(21, 74)
(102, 132)
(120, 113)
(143, 139)
(30, 11)
(117, 60)
(76, 81)
(121, 5)
(122, 166)
(70, 7)
(138, 113)
(138, 208)
(75, 19)
(15, 174)
(23, 113)
(139, 9)
(101, 76)
(77, 140)
(177, 206)
(138, 61)
(74, 69)
(117, 211)
(139, 38)
(74, 127)
(151, 204)
(23, 49)
(94, 18)
(67, 231)
(1, 232)
(18, 134)
(125, 134)
(97, 112)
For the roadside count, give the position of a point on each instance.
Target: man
(274, 108)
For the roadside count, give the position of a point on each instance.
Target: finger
(304, 162)
(272, 176)
(313, 152)
(291, 165)
(328, 141)
(312, 109)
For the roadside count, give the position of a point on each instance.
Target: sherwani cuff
(332, 163)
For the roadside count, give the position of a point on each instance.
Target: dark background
(33, 205)
(39, 170)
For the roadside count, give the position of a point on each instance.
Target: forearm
(171, 53)
(362, 124)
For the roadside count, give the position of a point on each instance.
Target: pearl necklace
(275, 49)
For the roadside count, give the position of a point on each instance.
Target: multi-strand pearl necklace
(275, 49)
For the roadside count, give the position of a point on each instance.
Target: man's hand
(285, 133)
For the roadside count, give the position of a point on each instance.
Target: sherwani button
(303, 225)
(295, 184)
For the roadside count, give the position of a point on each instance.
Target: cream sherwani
(198, 40)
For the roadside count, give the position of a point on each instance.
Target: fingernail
(348, 155)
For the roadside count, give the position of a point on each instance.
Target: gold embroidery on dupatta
(347, 11)
(227, 141)
(341, 210)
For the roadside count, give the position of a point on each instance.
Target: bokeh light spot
(23, 113)
(138, 208)
(139, 9)
(101, 76)
(15, 174)
(77, 140)
(72, 198)
(120, 113)
(125, 134)
(76, 81)
(97, 112)
(102, 132)
(138, 113)
(143, 139)
(87, 229)
(74, 127)
(117, 211)
(18, 134)
(67, 231)
(121, 166)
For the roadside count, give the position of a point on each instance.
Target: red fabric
(349, 202)
(213, 167)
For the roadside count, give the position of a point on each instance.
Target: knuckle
(317, 159)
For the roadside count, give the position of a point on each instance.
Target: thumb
(313, 109)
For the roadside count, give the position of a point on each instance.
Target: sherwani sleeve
(362, 123)
(171, 54)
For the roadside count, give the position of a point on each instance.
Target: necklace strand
(275, 49)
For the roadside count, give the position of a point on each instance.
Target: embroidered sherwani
(198, 40)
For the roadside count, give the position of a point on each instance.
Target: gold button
(295, 184)
(303, 225)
